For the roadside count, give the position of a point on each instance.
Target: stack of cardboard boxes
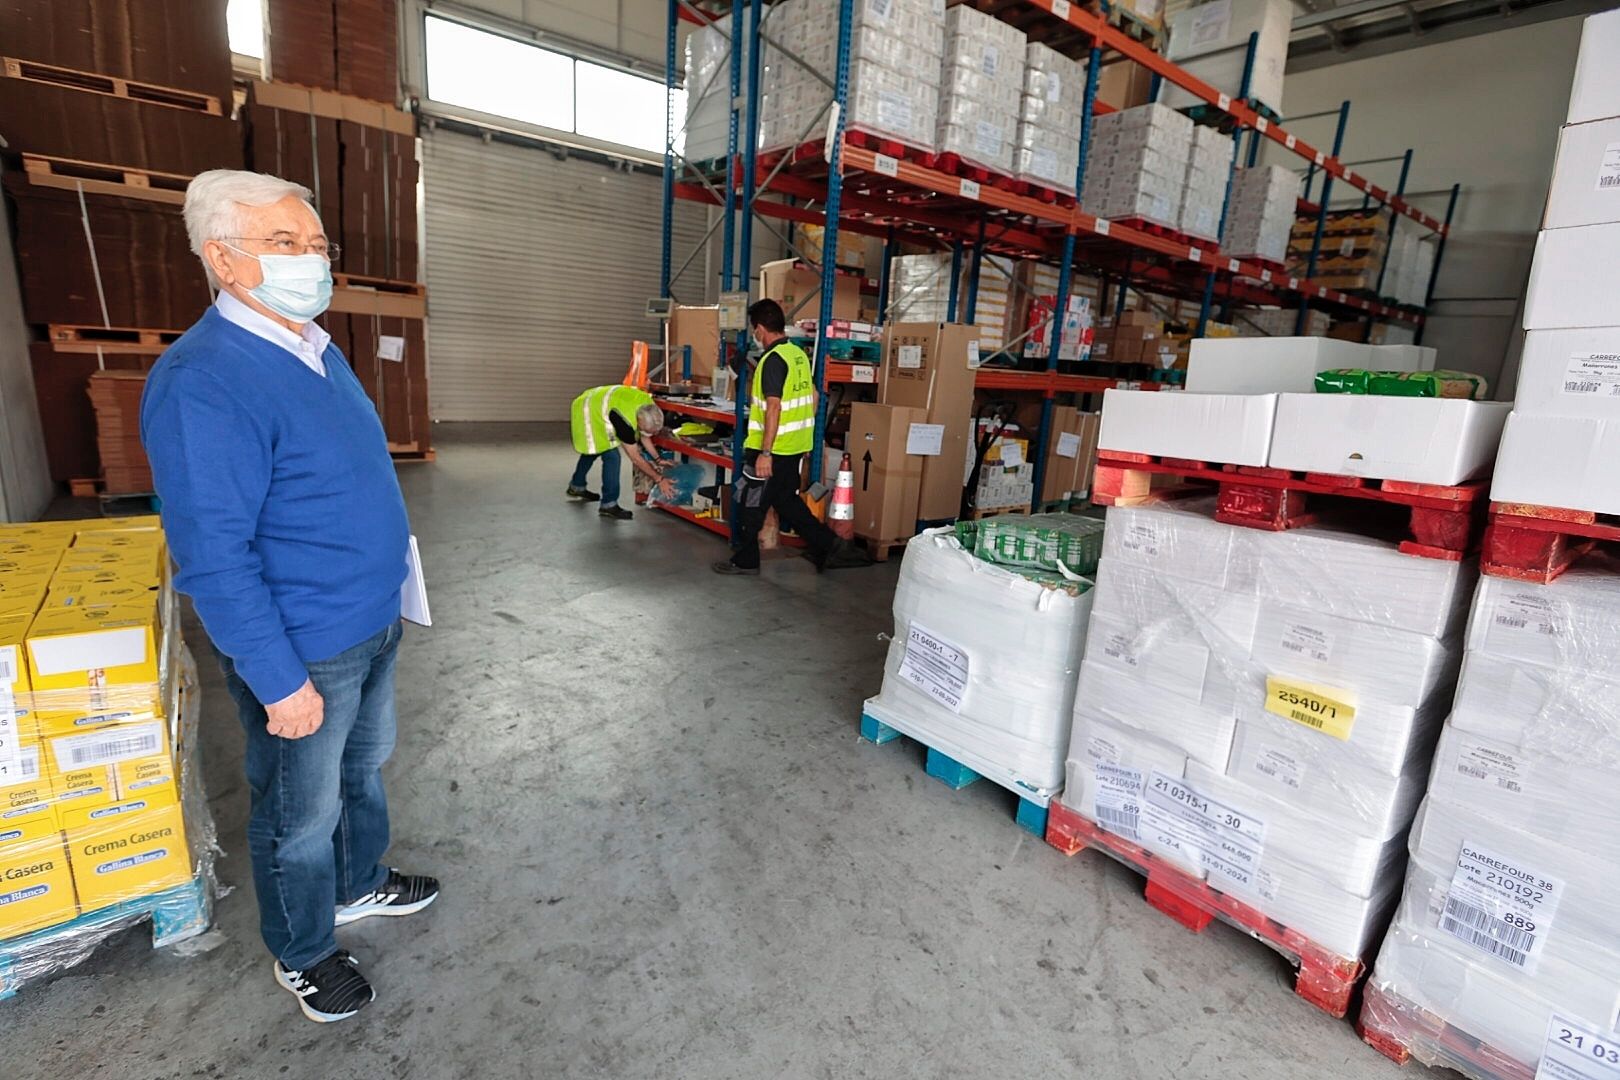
(1135, 337)
(981, 85)
(1209, 164)
(920, 287)
(1260, 215)
(1007, 475)
(1078, 338)
(350, 46)
(1137, 165)
(1049, 116)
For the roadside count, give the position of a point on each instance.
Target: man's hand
(762, 465)
(666, 488)
(297, 716)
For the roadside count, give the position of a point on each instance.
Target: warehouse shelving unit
(845, 179)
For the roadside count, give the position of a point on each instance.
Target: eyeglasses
(285, 246)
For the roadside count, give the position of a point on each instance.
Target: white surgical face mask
(296, 287)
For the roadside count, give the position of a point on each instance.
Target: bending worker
(602, 419)
(781, 430)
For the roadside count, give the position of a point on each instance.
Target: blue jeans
(610, 474)
(318, 818)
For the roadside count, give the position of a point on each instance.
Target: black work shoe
(582, 495)
(617, 513)
(399, 894)
(731, 569)
(845, 556)
(329, 991)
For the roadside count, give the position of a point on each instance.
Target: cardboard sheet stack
(981, 86)
(708, 88)
(894, 71)
(1211, 40)
(1137, 164)
(1049, 115)
(1209, 162)
(992, 303)
(1564, 435)
(920, 287)
(1261, 215)
(1259, 709)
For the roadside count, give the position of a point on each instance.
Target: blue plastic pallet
(952, 773)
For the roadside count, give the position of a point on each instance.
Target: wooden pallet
(1136, 27)
(880, 550)
(977, 514)
(424, 456)
(110, 340)
(1401, 1031)
(1538, 543)
(1031, 815)
(94, 178)
(1326, 979)
(357, 294)
(110, 85)
(1444, 522)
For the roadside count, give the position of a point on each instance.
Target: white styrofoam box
(1226, 24)
(1332, 918)
(1419, 440)
(1003, 699)
(1163, 607)
(1224, 71)
(1561, 461)
(1054, 79)
(1286, 365)
(1362, 662)
(1586, 175)
(1104, 779)
(1596, 93)
(1233, 429)
(1179, 665)
(1569, 716)
(987, 143)
(1128, 699)
(1569, 625)
(1385, 737)
(1334, 851)
(1570, 373)
(1574, 278)
(1182, 539)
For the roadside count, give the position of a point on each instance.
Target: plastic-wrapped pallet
(982, 664)
(894, 68)
(919, 288)
(1294, 682)
(980, 87)
(1209, 161)
(1261, 214)
(1137, 164)
(1513, 896)
(992, 303)
(1211, 40)
(708, 86)
(1049, 116)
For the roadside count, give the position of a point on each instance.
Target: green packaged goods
(1054, 543)
(1463, 385)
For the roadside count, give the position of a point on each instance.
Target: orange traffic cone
(841, 517)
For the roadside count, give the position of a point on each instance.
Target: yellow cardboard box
(30, 563)
(93, 647)
(138, 559)
(36, 879)
(23, 601)
(26, 789)
(88, 767)
(14, 672)
(75, 593)
(127, 849)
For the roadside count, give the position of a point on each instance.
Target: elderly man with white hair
(289, 533)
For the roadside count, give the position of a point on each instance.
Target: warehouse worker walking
(288, 531)
(602, 419)
(781, 431)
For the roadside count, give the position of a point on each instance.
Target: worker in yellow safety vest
(781, 431)
(602, 418)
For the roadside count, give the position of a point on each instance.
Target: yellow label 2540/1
(1321, 708)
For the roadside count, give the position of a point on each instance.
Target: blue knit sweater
(283, 513)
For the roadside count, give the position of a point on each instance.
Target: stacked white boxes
(919, 288)
(708, 89)
(1261, 214)
(1564, 435)
(1049, 116)
(1259, 709)
(1209, 161)
(1137, 164)
(982, 664)
(1211, 41)
(1513, 897)
(981, 88)
(894, 69)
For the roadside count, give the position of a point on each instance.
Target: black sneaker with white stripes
(329, 991)
(399, 894)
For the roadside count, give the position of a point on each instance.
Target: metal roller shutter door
(538, 274)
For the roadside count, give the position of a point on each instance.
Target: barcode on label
(1125, 823)
(1609, 181)
(1511, 623)
(104, 748)
(1573, 387)
(1468, 770)
(1485, 931)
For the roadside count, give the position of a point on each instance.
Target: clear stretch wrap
(708, 89)
(981, 82)
(1293, 681)
(894, 70)
(1137, 164)
(1209, 160)
(1513, 895)
(982, 664)
(103, 821)
(1260, 216)
(920, 288)
(1049, 114)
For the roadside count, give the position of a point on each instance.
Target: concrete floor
(666, 854)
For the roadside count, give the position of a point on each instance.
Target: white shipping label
(1060, 8)
(879, 9)
(886, 165)
(927, 440)
(969, 189)
(391, 348)
(992, 60)
(121, 743)
(1100, 749)
(1068, 445)
(1529, 613)
(1609, 172)
(8, 665)
(894, 110)
(936, 667)
(1280, 767)
(1489, 765)
(1102, 226)
(1499, 906)
(987, 140)
(1308, 642)
(1290, 142)
(863, 373)
(1577, 1051)
(1120, 647)
(10, 736)
(1044, 163)
(909, 357)
(1054, 86)
(1347, 246)
(1012, 454)
(973, 354)
(1142, 537)
(1593, 373)
(1224, 841)
(1118, 801)
(1210, 23)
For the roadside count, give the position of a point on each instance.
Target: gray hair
(650, 419)
(214, 201)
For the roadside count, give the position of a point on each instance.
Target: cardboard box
(26, 789)
(1286, 365)
(1586, 175)
(1574, 278)
(1570, 373)
(925, 366)
(1596, 92)
(82, 647)
(1125, 84)
(1559, 461)
(1421, 440)
(36, 882)
(1229, 428)
(126, 849)
(699, 328)
(790, 282)
(888, 481)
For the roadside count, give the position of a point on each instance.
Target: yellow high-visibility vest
(588, 416)
(796, 427)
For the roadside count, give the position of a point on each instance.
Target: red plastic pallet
(1445, 521)
(1537, 543)
(1402, 1031)
(1326, 979)
(1174, 235)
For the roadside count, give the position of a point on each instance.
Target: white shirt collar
(309, 346)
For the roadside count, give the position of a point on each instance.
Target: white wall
(1485, 112)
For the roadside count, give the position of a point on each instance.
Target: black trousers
(781, 493)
